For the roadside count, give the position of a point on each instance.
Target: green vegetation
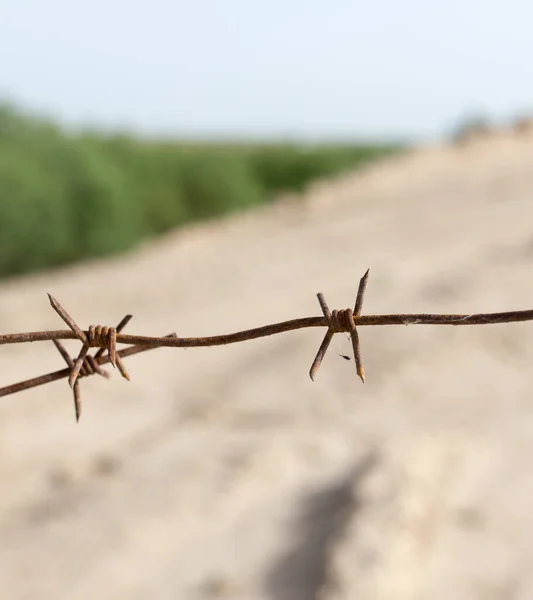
(65, 196)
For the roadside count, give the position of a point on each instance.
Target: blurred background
(210, 167)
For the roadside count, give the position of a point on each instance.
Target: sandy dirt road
(225, 472)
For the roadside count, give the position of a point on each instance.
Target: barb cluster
(106, 339)
(98, 337)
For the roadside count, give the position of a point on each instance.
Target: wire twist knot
(90, 366)
(340, 321)
(102, 336)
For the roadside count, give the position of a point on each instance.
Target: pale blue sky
(303, 68)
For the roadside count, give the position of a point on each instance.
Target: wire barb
(342, 321)
(106, 338)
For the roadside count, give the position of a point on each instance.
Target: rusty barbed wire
(106, 338)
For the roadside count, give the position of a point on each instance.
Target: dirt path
(226, 473)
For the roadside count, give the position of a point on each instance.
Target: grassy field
(67, 196)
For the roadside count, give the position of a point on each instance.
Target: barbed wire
(106, 338)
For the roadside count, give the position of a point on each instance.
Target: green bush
(217, 184)
(291, 168)
(65, 197)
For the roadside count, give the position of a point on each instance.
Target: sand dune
(225, 472)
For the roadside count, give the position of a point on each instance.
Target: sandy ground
(225, 472)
